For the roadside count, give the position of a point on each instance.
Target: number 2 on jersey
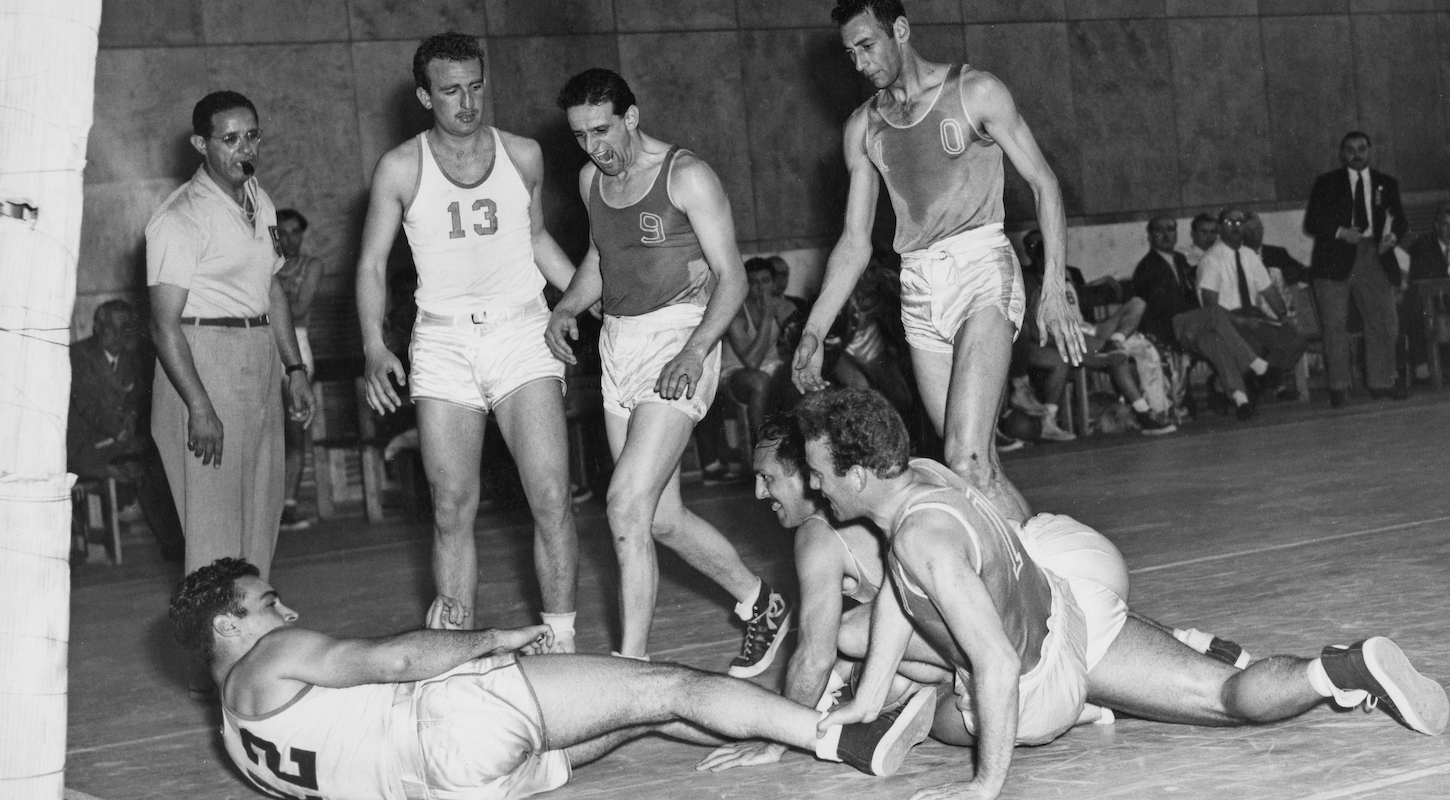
(261, 751)
(490, 213)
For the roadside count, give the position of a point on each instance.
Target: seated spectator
(1232, 276)
(1172, 316)
(752, 336)
(781, 269)
(1291, 270)
(1203, 232)
(300, 275)
(1107, 350)
(1428, 261)
(872, 358)
(105, 437)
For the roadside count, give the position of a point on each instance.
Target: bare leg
(644, 505)
(962, 394)
(583, 698)
(1148, 673)
(532, 423)
(921, 662)
(1124, 320)
(754, 387)
(451, 438)
(296, 442)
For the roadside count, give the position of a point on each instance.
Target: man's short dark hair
(1352, 135)
(859, 426)
(885, 11)
(292, 214)
(108, 309)
(1202, 219)
(759, 264)
(450, 46)
(202, 596)
(215, 103)
(783, 432)
(1226, 210)
(594, 87)
(1151, 222)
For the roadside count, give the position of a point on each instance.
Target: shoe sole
(1419, 701)
(766, 660)
(1160, 431)
(911, 729)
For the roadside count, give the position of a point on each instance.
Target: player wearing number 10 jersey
(664, 262)
(469, 198)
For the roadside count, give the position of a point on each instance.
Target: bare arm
(203, 427)
(992, 103)
(558, 270)
(299, 389)
(585, 289)
(696, 190)
(848, 258)
(392, 183)
(302, 304)
(890, 633)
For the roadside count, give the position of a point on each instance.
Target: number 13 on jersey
(490, 215)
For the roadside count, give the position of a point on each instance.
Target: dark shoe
(581, 493)
(1110, 346)
(1228, 652)
(1006, 444)
(879, 747)
(769, 623)
(1377, 671)
(1246, 411)
(1219, 403)
(1287, 395)
(292, 520)
(1152, 425)
(1337, 398)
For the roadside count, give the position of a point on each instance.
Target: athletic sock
(1194, 638)
(826, 745)
(1239, 397)
(1319, 679)
(834, 683)
(1259, 366)
(745, 609)
(618, 654)
(1141, 405)
(1051, 409)
(561, 623)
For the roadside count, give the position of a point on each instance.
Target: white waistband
(676, 315)
(484, 316)
(978, 239)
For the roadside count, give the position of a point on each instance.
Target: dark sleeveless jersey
(649, 256)
(943, 176)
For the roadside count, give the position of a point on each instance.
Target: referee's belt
(227, 322)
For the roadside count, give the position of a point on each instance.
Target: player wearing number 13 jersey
(663, 261)
(469, 197)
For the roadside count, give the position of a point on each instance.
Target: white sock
(618, 654)
(1239, 397)
(744, 608)
(1141, 405)
(1194, 638)
(1118, 337)
(1051, 410)
(826, 745)
(1259, 366)
(1319, 679)
(563, 624)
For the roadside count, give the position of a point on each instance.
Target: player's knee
(628, 510)
(454, 501)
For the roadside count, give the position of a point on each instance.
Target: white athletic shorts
(1050, 698)
(634, 350)
(1094, 571)
(481, 735)
(478, 360)
(946, 283)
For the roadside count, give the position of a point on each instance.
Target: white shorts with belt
(634, 350)
(944, 284)
(477, 360)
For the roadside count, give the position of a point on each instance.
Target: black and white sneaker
(879, 747)
(1231, 653)
(1377, 671)
(1154, 425)
(766, 629)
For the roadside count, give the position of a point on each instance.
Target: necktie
(1246, 301)
(1360, 222)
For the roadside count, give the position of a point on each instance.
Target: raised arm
(393, 181)
(558, 270)
(204, 435)
(992, 104)
(848, 258)
(696, 190)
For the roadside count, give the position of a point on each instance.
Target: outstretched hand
(741, 754)
(1056, 320)
(806, 366)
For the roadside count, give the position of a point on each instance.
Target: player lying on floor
(444, 713)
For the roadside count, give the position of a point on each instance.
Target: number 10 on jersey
(490, 211)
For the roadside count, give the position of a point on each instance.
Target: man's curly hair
(204, 594)
(859, 426)
(450, 46)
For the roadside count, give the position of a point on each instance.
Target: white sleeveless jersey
(473, 245)
(325, 743)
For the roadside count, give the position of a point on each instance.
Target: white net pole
(47, 84)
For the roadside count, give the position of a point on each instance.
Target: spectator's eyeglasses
(1233, 223)
(234, 138)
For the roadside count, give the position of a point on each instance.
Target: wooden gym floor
(1304, 528)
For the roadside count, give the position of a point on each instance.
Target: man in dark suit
(1355, 217)
(1173, 316)
(108, 395)
(1428, 261)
